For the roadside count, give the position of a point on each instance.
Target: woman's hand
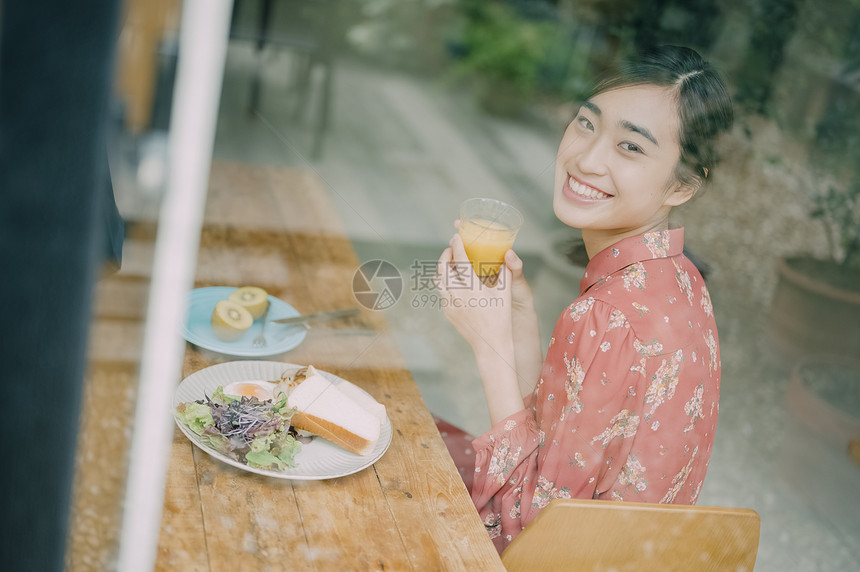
(481, 313)
(528, 356)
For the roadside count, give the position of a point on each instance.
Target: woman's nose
(591, 157)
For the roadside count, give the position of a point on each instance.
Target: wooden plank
(271, 198)
(182, 543)
(116, 340)
(121, 299)
(421, 484)
(251, 522)
(349, 525)
(101, 465)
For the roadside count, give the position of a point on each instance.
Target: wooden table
(277, 228)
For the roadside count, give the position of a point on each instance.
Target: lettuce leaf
(197, 416)
(264, 460)
(289, 448)
(278, 449)
(222, 398)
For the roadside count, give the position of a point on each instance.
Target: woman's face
(616, 162)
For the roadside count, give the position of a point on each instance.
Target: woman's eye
(632, 147)
(584, 123)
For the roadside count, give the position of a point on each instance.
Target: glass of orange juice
(488, 228)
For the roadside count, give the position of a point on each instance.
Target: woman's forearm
(497, 367)
(527, 349)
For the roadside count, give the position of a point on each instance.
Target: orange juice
(486, 242)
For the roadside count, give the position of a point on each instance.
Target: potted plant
(816, 305)
(824, 393)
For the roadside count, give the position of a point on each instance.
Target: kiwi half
(252, 298)
(230, 320)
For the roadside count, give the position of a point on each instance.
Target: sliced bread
(344, 416)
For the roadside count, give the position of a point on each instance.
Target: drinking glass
(488, 228)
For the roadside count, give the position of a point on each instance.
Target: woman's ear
(682, 193)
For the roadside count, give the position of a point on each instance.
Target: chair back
(592, 535)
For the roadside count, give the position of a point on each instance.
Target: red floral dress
(627, 401)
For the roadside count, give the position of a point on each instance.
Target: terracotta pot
(822, 400)
(810, 316)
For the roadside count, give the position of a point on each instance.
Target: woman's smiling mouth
(580, 190)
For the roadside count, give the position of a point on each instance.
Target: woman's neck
(598, 240)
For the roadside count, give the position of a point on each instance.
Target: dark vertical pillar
(56, 69)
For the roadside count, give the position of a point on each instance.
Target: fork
(260, 341)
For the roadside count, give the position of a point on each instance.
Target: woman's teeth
(584, 191)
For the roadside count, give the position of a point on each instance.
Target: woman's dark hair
(704, 103)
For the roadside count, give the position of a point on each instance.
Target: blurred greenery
(839, 210)
(503, 54)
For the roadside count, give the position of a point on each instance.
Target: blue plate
(280, 338)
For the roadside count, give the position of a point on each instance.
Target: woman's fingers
(442, 269)
(458, 250)
(506, 275)
(449, 272)
(514, 262)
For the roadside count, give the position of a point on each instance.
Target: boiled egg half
(262, 390)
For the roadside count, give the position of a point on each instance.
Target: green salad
(246, 429)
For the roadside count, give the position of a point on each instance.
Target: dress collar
(658, 244)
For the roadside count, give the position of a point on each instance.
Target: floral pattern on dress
(696, 493)
(684, 283)
(707, 306)
(515, 508)
(575, 376)
(640, 367)
(694, 407)
(679, 479)
(504, 460)
(657, 243)
(641, 308)
(580, 308)
(633, 474)
(617, 319)
(655, 348)
(622, 425)
(663, 383)
(635, 275)
(713, 356)
(546, 492)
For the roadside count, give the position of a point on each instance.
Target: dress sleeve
(573, 430)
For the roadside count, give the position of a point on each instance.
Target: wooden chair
(591, 535)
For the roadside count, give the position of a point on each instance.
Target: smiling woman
(616, 163)
(671, 106)
(624, 405)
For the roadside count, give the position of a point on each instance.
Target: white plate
(319, 459)
(198, 327)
